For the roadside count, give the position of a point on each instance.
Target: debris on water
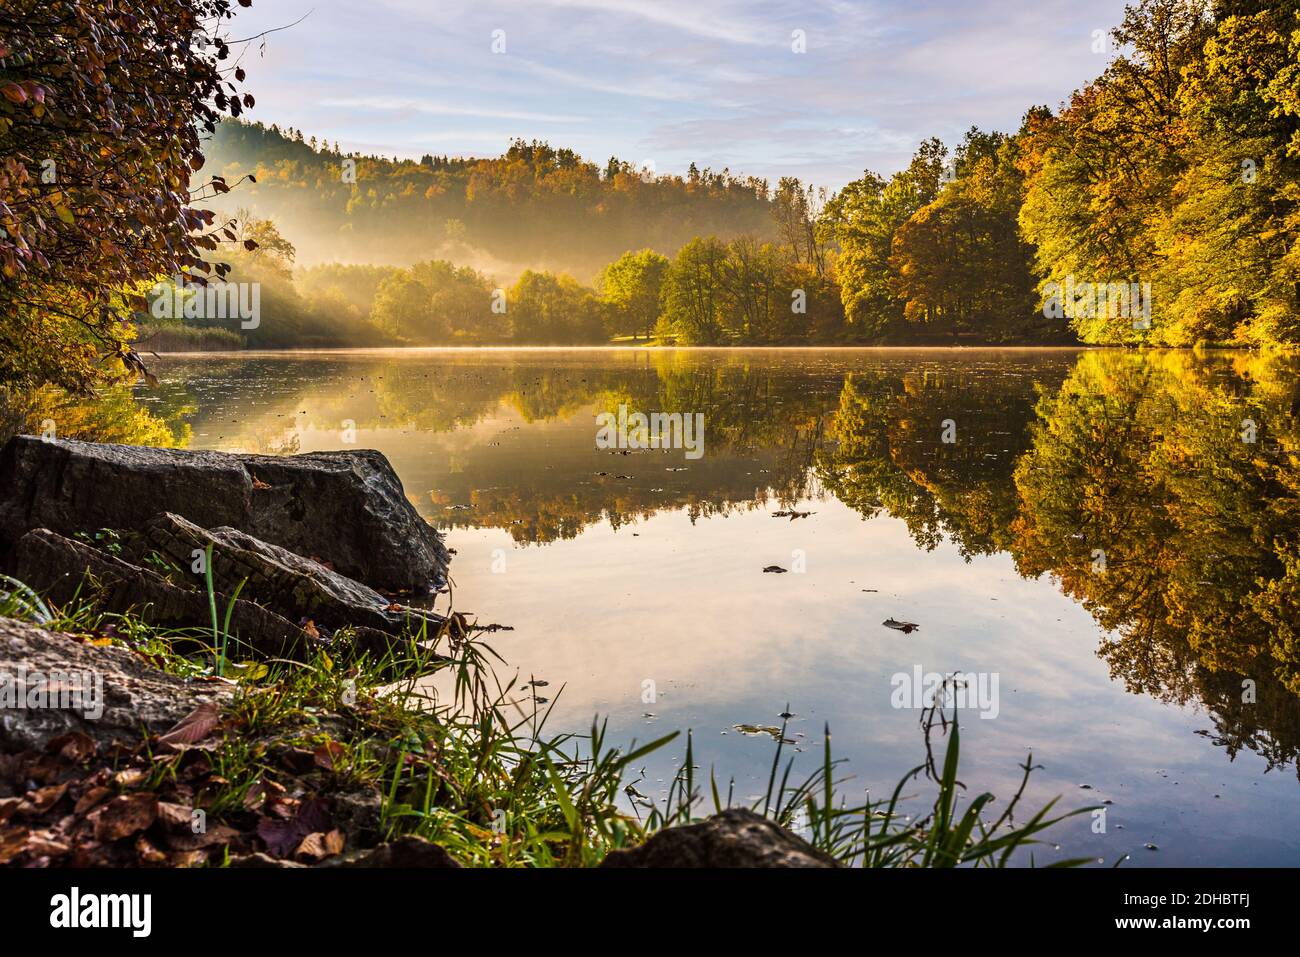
(458, 508)
(777, 569)
(754, 730)
(678, 468)
(906, 627)
(871, 589)
(539, 683)
(792, 515)
(786, 715)
(1086, 787)
(1151, 847)
(649, 714)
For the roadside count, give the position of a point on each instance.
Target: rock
(293, 586)
(344, 508)
(57, 568)
(264, 861)
(405, 852)
(734, 838)
(135, 697)
(409, 851)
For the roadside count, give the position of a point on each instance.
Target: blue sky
(665, 82)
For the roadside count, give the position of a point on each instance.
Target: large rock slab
(734, 838)
(62, 569)
(344, 508)
(136, 699)
(296, 587)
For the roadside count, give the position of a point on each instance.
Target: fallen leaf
(8, 806)
(43, 799)
(328, 753)
(130, 777)
(75, 746)
(125, 815)
(188, 858)
(91, 798)
(282, 837)
(210, 837)
(175, 817)
(906, 627)
(319, 845)
(254, 796)
(195, 726)
(12, 843)
(148, 853)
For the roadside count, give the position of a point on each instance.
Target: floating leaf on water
(753, 730)
(906, 627)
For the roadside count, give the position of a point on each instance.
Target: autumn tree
(631, 286)
(862, 219)
(103, 106)
(693, 294)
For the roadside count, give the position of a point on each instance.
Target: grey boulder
(346, 509)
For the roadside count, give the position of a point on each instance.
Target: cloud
(440, 109)
(710, 81)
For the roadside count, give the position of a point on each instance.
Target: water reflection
(1159, 491)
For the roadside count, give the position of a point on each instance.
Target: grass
(472, 768)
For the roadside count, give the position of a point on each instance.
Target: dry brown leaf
(75, 746)
(125, 815)
(90, 799)
(211, 837)
(13, 842)
(148, 852)
(175, 817)
(43, 799)
(188, 858)
(318, 845)
(7, 808)
(194, 727)
(328, 753)
(130, 777)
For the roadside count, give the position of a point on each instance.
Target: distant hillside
(536, 206)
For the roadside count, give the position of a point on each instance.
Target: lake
(1106, 543)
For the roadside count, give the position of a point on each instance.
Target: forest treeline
(1159, 206)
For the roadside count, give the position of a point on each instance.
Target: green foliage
(632, 285)
(549, 309)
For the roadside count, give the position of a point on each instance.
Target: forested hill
(535, 206)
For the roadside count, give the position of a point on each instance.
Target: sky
(662, 83)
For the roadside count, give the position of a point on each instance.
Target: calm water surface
(1115, 536)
